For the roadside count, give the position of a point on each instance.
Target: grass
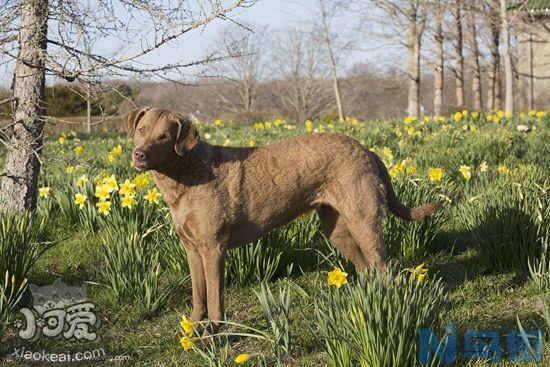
(487, 286)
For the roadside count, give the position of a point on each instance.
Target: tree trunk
(507, 54)
(493, 92)
(332, 61)
(413, 48)
(438, 72)
(88, 110)
(476, 70)
(459, 55)
(19, 186)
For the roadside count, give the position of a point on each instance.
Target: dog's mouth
(140, 166)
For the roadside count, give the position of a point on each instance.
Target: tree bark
(507, 54)
(332, 61)
(88, 110)
(19, 185)
(493, 69)
(414, 36)
(438, 70)
(459, 54)
(474, 59)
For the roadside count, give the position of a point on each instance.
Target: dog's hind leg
(366, 229)
(337, 231)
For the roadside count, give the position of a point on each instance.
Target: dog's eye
(165, 137)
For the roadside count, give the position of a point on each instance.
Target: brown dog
(222, 197)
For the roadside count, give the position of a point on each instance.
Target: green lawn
(495, 219)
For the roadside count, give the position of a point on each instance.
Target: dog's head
(160, 136)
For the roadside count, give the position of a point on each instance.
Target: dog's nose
(139, 155)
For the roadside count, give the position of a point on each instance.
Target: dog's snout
(139, 155)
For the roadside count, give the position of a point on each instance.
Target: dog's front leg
(198, 281)
(213, 260)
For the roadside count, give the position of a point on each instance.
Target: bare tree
(459, 53)
(243, 71)
(507, 55)
(439, 10)
(491, 16)
(407, 16)
(141, 27)
(299, 72)
(474, 50)
(325, 31)
(416, 17)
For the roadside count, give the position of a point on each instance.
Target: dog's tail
(395, 206)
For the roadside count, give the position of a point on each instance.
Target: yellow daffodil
(102, 192)
(267, 125)
(337, 278)
(388, 153)
(78, 150)
(218, 122)
(128, 201)
(419, 273)
(111, 158)
(309, 126)
(242, 358)
(457, 116)
(187, 343)
(44, 192)
(410, 119)
(483, 167)
(435, 174)
(466, 172)
(81, 181)
(69, 169)
(251, 143)
(117, 150)
(152, 196)
(61, 140)
(142, 180)
(127, 188)
(79, 200)
(104, 207)
(411, 170)
(259, 126)
(502, 169)
(110, 183)
(187, 326)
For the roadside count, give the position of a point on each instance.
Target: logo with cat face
(58, 311)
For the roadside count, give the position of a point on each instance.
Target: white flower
(207, 136)
(523, 128)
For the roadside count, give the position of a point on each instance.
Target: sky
(274, 14)
(278, 14)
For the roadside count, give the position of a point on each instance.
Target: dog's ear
(132, 118)
(187, 136)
